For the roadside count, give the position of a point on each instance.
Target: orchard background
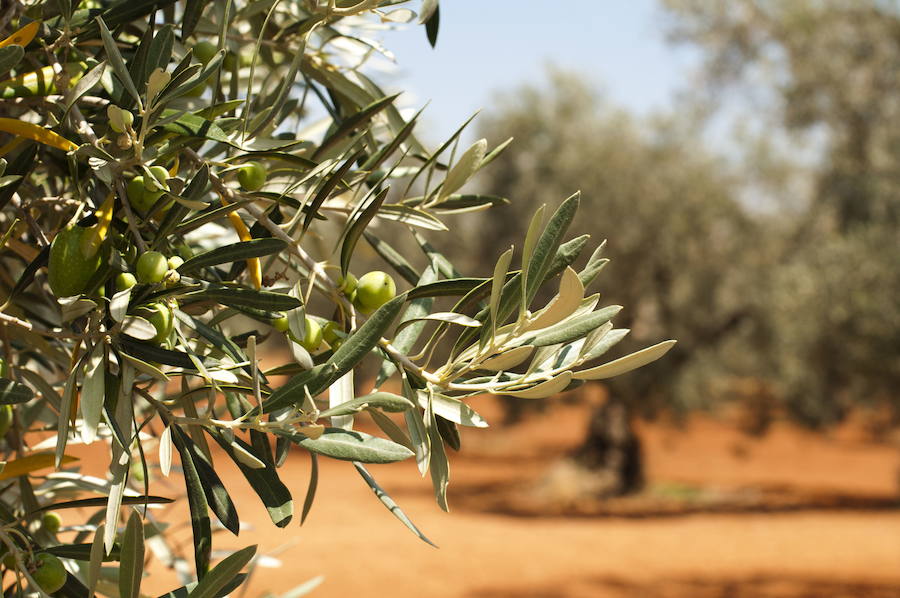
(253, 286)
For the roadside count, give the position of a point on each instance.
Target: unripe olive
(184, 251)
(139, 197)
(374, 290)
(158, 180)
(333, 334)
(175, 261)
(160, 316)
(312, 335)
(281, 324)
(6, 419)
(151, 267)
(49, 573)
(119, 119)
(125, 280)
(230, 61)
(252, 176)
(69, 269)
(204, 51)
(4, 368)
(51, 521)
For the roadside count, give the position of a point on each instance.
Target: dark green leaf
(131, 561)
(192, 11)
(432, 25)
(82, 552)
(101, 502)
(10, 56)
(327, 186)
(223, 573)
(12, 393)
(443, 288)
(191, 125)
(241, 297)
(264, 481)
(216, 495)
(357, 226)
(354, 122)
(313, 484)
(231, 253)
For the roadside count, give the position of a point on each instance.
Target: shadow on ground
(699, 587)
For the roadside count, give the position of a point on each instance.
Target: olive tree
(680, 238)
(186, 184)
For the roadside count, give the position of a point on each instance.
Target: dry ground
(790, 515)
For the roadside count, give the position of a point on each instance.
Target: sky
(486, 46)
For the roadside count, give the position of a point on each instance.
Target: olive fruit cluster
(312, 332)
(144, 191)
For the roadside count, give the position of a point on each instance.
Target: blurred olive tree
(678, 235)
(825, 73)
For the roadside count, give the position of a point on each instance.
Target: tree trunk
(612, 449)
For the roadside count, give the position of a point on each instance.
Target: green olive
(125, 280)
(312, 335)
(6, 419)
(158, 180)
(49, 573)
(374, 290)
(161, 317)
(4, 368)
(175, 261)
(119, 119)
(252, 176)
(281, 324)
(204, 51)
(69, 270)
(139, 197)
(51, 521)
(151, 267)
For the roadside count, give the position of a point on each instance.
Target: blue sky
(492, 45)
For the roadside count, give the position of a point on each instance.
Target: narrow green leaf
(464, 168)
(12, 393)
(353, 122)
(243, 297)
(311, 489)
(386, 401)
(265, 481)
(547, 244)
(456, 411)
(356, 227)
(131, 561)
(92, 394)
(366, 337)
(116, 61)
(572, 328)
(233, 253)
(328, 185)
(626, 364)
(224, 572)
(350, 445)
(216, 495)
(10, 56)
(389, 503)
